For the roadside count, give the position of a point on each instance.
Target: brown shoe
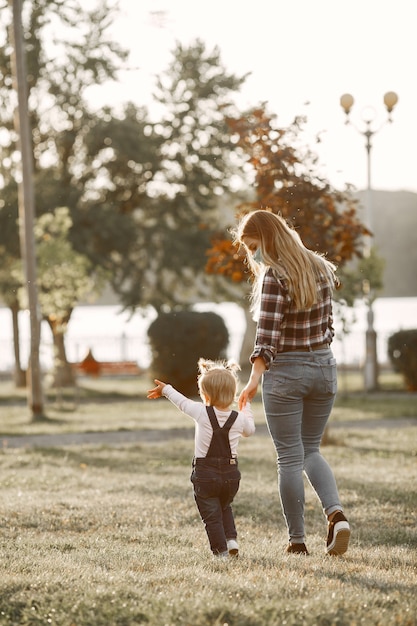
(297, 548)
(338, 535)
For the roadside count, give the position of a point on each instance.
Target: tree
(121, 160)
(167, 265)
(96, 163)
(285, 180)
(10, 286)
(65, 278)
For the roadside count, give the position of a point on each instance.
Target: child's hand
(156, 392)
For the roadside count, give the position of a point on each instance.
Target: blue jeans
(298, 394)
(215, 486)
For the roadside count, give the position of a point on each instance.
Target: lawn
(109, 535)
(106, 404)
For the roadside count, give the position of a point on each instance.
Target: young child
(215, 475)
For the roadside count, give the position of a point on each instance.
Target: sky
(302, 55)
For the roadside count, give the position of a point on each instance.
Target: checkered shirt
(281, 327)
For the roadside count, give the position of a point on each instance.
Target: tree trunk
(62, 373)
(26, 204)
(19, 373)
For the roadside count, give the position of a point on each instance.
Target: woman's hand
(249, 391)
(156, 392)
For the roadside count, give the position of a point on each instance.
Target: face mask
(258, 256)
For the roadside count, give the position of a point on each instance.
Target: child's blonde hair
(218, 382)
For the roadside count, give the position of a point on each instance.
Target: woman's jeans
(298, 394)
(216, 482)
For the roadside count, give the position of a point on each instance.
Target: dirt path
(138, 436)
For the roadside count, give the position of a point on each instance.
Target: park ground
(98, 526)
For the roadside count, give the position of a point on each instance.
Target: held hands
(247, 393)
(156, 392)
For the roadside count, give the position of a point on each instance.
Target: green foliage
(65, 276)
(178, 339)
(96, 164)
(10, 277)
(362, 278)
(402, 351)
(197, 154)
(196, 92)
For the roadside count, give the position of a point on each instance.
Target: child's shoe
(233, 547)
(221, 555)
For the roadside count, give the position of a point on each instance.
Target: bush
(402, 351)
(178, 339)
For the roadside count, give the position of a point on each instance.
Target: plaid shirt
(281, 327)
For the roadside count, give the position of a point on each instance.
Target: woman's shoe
(338, 535)
(297, 548)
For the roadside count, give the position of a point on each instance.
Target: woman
(292, 300)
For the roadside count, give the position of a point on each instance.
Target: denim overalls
(216, 479)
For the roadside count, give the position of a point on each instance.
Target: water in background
(114, 335)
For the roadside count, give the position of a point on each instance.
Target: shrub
(402, 351)
(178, 339)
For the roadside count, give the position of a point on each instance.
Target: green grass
(352, 380)
(97, 405)
(109, 535)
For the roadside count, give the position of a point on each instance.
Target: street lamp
(368, 117)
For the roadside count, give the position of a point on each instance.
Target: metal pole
(371, 361)
(26, 207)
(369, 222)
(371, 358)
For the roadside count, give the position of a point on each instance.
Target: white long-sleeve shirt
(243, 426)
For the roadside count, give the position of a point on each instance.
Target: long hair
(282, 249)
(218, 381)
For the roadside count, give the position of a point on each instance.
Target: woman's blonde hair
(282, 250)
(218, 381)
